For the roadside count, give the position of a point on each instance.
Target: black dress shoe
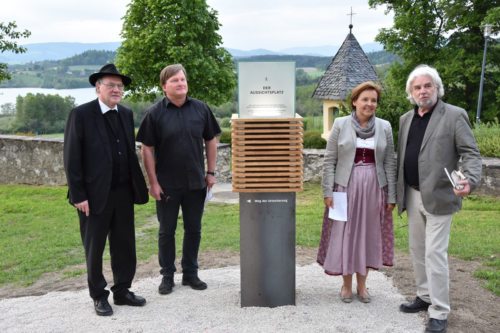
(416, 306)
(129, 299)
(436, 326)
(102, 307)
(167, 283)
(194, 282)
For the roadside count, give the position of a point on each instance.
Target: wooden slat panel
(273, 136)
(266, 174)
(264, 164)
(264, 152)
(296, 131)
(270, 180)
(270, 147)
(267, 155)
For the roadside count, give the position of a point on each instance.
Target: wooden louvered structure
(267, 154)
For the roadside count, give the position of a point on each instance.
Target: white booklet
(339, 210)
(454, 177)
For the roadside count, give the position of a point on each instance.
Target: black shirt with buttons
(177, 135)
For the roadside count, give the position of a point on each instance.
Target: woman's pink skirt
(366, 240)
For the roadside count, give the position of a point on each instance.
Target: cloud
(271, 24)
(68, 21)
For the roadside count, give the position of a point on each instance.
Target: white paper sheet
(209, 196)
(339, 210)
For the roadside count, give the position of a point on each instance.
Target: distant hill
(58, 51)
(376, 58)
(316, 51)
(68, 73)
(251, 53)
(73, 71)
(54, 51)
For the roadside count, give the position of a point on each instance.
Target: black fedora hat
(109, 69)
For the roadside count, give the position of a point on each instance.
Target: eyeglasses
(119, 86)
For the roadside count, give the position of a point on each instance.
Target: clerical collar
(105, 108)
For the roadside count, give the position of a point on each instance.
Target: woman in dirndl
(360, 161)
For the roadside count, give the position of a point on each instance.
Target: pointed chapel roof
(348, 68)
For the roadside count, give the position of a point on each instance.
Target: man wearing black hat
(104, 181)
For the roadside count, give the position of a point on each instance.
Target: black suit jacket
(87, 156)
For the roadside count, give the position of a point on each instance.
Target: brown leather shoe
(416, 305)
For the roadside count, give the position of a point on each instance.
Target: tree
(448, 36)
(161, 32)
(8, 35)
(42, 113)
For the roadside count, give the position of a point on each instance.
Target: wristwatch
(211, 173)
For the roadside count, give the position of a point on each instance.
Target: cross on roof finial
(350, 25)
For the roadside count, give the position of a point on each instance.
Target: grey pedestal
(267, 249)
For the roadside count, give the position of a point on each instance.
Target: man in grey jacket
(432, 136)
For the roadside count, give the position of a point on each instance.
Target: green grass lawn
(39, 232)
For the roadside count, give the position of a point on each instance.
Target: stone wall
(26, 160)
(36, 161)
(490, 178)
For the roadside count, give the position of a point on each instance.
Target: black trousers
(116, 222)
(167, 209)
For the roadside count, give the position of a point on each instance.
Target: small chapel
(349, 67)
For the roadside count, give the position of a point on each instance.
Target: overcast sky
(246, 25)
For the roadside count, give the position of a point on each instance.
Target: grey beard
(428, 103)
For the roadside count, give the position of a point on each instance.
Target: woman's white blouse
(365, 143)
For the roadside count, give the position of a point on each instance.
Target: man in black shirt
(432, 136)
(173, 133)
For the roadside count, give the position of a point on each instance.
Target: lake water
(81, 95)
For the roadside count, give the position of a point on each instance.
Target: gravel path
(217, 309)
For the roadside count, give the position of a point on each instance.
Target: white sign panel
(266, 89)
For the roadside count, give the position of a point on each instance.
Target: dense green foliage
(41, 113)
(488, 139)
(163, 32)
(225, 136)
(8, 36)
(138, 108)
(382, 57)
(312, 123)
(448, 36)
(313, 139)
(305, 105)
